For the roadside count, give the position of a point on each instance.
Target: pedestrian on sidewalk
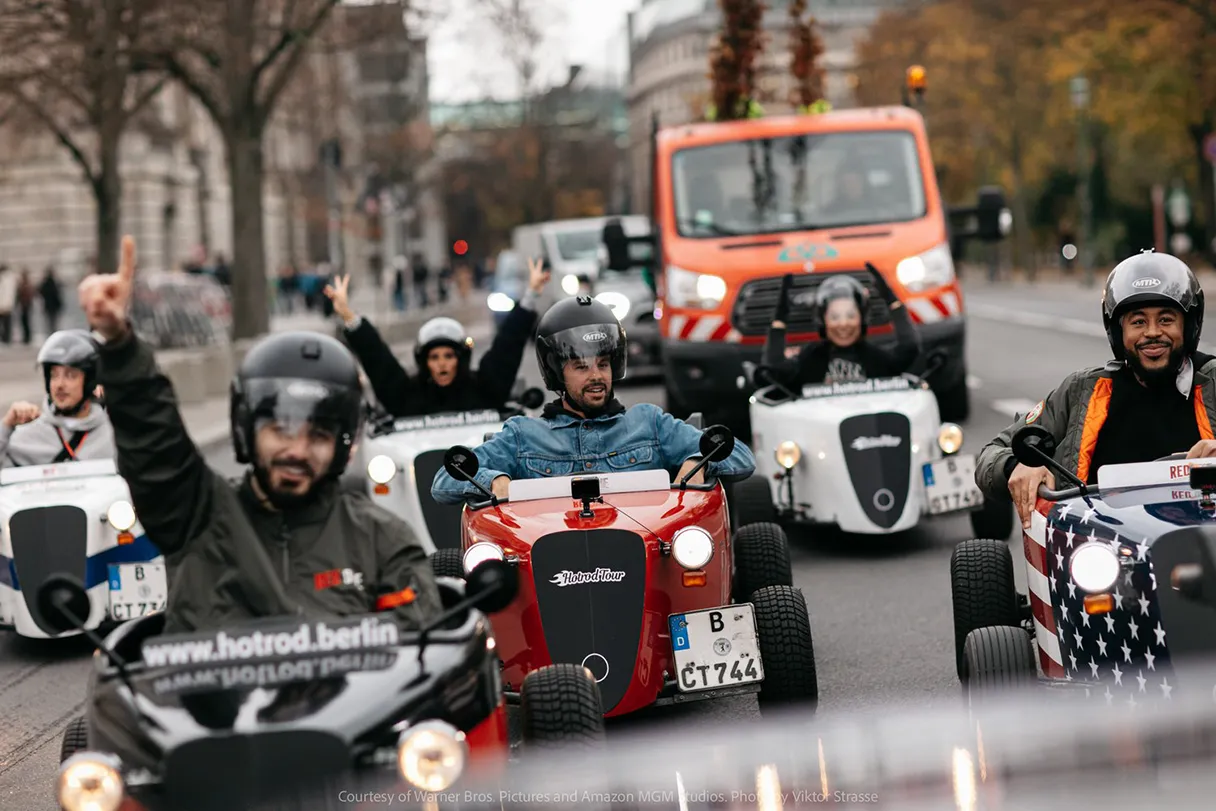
(26, 294)
(421, 275)
(8, 300)
(52, 299)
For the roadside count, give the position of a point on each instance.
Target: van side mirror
(617, 245)
(994, 221)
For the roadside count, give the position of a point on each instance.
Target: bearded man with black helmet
(446, 380)
(71, 424)
(581, 349)
(284, 539)
(1157, 397)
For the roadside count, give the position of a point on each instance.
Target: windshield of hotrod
(797, 183)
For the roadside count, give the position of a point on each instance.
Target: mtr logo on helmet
(1145, 283)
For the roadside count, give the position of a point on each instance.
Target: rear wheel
(560, 708)
(954, 403)
(762, 559)
(448, 563)
(75, 739)
(982, 591)
(753, 502)
(787, 652)
(999, 658)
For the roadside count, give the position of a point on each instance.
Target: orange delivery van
(738, 205)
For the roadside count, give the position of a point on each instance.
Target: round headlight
(121, 515)
(692, 547)
(432, 755)
(1094, 567)
(90, 781)
(788, 453)
(381, 469)
(500, 302)
(949, 438)
(617, 302)
(479, 553)
(570, 284)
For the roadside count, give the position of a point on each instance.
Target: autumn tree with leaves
(806, 47)
(733, 60)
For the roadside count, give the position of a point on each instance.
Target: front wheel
(983, 592)
(999, 658)
(954, 403)
(753, 501)
(762, 559)
(783, 625)
(448, 563)
(75, 739)
(561, 708)
(994, 520)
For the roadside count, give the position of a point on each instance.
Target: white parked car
(74, 518)
(871, 458)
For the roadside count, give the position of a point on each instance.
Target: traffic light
(460, 247)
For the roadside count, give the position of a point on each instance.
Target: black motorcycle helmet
(835, 287)
(1152, 279)
(443, 331)
(578, 327)
(294, 377)
(75, 348)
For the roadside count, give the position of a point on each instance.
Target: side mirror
(717, 442)
(1031, 444)
(63, 603)
(617, 245)
(993, 218)
(493, 585)
(532, 398)
(461, 463)
(1203, 476)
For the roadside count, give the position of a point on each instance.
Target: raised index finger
(126, 265)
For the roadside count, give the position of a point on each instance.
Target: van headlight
(570, 284)
(949, 438)
(617, 302)
(479, 553)
(121, 515)
(90, 781)
(500, 302)
(692, 547)
(381, 469)
(788, 454)
(933, 268)
(431, 755)
(1094, 567)
(695, 290)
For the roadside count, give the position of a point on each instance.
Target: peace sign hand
(337, 294)
(106, 297)
(538, 275)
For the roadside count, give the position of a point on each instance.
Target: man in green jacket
(284, 539)
(1156, 398)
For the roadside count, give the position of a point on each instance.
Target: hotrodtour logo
(600, 575)
(866, 443)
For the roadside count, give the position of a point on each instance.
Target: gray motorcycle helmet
(1152, 279)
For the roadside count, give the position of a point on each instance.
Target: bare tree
(71, 67)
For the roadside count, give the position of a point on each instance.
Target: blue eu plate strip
(679, 632)
(928, 472)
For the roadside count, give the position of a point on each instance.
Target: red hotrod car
(634, 585)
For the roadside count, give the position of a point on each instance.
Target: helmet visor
(584, 343)
(295, 405)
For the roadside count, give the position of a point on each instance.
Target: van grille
(757, 303)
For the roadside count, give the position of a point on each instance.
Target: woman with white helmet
(446, 380)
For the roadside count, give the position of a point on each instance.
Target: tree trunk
(250, 313)
(107, 193)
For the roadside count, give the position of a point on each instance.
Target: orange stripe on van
(1201, 415)
(1095, 417)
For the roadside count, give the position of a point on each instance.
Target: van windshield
(797, 183)
(574, 245)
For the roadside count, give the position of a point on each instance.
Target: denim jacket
(559, 443)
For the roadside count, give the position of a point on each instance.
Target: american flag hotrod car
(1121, 584)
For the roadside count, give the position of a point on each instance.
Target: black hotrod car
(286, 710)
(1121, 584)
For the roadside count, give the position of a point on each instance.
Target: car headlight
(90, 781)
(697, 290)
(121, 515)
(692, 547)
(933, 268)
(479, 553)
(617, 302)
(431, 755)
(570, 284)
(1094, 567)
(500, 303)
(788, 453)
(381, 469)
(949, 438)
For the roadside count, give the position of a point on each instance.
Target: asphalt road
(880, 608)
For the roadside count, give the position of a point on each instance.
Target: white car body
(416, 446)
(870, 459)
(57, 520)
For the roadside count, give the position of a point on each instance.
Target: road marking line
(1021, 318)
(1012, 408)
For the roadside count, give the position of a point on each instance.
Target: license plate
(950, 485)
(137, 589)
(716, 648)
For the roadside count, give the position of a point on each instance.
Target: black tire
(560, 707)
(783, 625)
(999, 658)
(752, 502)
(762, 559)
(982, 591)
(75, 739)
(954, 403)
(448, 563)
(994, 520)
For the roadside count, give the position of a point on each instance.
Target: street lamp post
(1080, 102)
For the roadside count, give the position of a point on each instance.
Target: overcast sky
(466, 57)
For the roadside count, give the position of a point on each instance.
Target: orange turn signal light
(382, 489)
(694, 578)
(916, 77)
(125, 538)
(1099, 604)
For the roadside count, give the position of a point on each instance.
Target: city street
(880, 609)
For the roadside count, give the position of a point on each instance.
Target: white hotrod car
(74, 518)
(397, 460)
(870, 458)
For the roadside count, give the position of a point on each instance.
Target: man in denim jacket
(581, 349)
